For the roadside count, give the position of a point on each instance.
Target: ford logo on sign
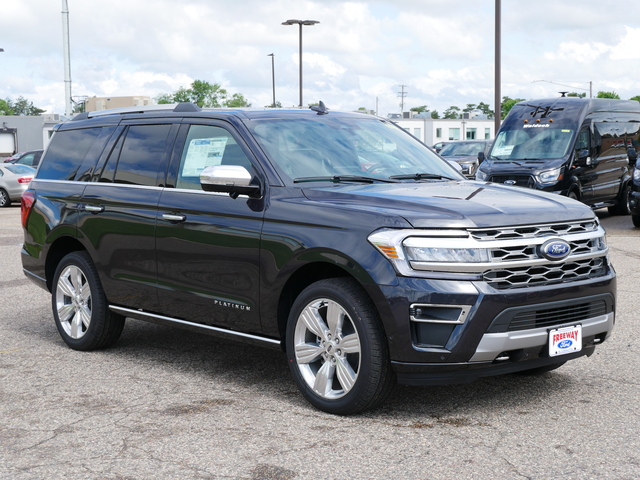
(564, 344)
(556, 249)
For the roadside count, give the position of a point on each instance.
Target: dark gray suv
(337, 237)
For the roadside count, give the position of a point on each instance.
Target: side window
(140, 156)
(206, 146)
(66, 152)
(582, 142)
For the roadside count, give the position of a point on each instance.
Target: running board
(197, 327)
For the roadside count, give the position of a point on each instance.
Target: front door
(208, 244)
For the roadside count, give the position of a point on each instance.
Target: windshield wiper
(344, 178)
(420, 176)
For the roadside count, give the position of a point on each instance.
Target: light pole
(273, 78)
(300, 23)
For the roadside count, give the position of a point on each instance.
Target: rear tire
(636, 220)
(80, 306)
(622, 207)
(5, 201)
(336, 348)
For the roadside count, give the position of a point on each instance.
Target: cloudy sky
(359, 55)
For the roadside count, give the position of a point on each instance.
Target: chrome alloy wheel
(73, 302)
(327, 348)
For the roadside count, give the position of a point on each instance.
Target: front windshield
(326, 146)
(466, 149)
(532, 142)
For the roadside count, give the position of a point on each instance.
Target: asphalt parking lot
(167, 403)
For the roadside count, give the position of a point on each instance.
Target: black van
(572, 146)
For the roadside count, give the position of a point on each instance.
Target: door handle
(93, 208)
(174, 218)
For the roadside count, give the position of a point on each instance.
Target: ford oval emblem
(564, 344)
(510, 182)
(555, 249)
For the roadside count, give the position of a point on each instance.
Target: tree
(204, 94)
(507, 104)
(237, 100)
(636, 98)
(485, 109)
(420, 109)
(452, 112)
(574, 94)
(21, 107)
(435, 114)
(5, 108)
(470, 108)
(613, 95)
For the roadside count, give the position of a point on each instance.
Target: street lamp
(300, 23)
(273, 78)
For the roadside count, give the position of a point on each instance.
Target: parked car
(338, 237)
(31, 158)
(438, 146)
(14, 180)
(569, 146)
(13, 157)
(468, 153)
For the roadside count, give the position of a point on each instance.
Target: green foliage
(204, 94)
(485, 109)
(21, 107)
(5, 109)
(452, 112)
(507, 104)
(435, 114)
(636, 98)
(574, 94)
(613, 95)
(420, 109)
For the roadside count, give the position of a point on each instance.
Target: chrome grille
(545, 274)
(530, 252)
(534, 231)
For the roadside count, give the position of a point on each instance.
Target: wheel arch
(312, 272)
(60, 248)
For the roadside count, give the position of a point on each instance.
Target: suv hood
(454, 204)
(526, 167)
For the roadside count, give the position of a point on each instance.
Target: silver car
(14, 180)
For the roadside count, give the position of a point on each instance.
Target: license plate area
(565, 340)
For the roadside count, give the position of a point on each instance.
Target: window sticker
(504, 150)
(201, 153)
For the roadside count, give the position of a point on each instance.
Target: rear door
(118, 212)
(208, 244)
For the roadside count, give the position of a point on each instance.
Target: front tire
(337, 349)
(80, 306)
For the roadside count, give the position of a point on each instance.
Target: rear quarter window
(66, 153)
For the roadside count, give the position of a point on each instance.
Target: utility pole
(497, 93)
(402, 94)
(67, 63)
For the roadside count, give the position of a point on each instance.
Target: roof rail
(174, 107)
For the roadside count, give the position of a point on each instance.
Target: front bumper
(490, 338)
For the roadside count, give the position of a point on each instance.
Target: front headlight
(636, 175)
(480, 175)
(550, 177)
(443, 251)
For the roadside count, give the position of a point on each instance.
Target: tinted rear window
(67, 150)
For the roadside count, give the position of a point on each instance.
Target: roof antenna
(320, 108)
(563, 94)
